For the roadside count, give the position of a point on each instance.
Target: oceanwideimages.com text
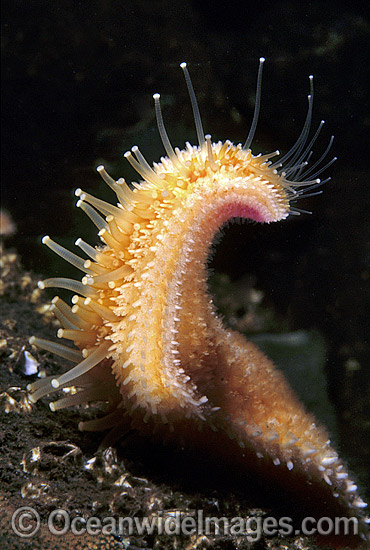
(26, 522)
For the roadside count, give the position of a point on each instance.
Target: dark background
(78, 79)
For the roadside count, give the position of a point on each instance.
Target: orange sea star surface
(148, 340)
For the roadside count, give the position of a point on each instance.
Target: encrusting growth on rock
(148, 340)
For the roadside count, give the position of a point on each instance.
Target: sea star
(143, 313)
